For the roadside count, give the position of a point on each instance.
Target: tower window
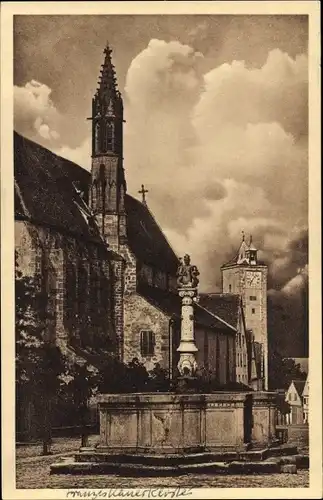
(147, 343)
(97, 138)
(253, 310)
(108, 137)
(253, 297)
(230, 288)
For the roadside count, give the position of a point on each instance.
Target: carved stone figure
(187, 274)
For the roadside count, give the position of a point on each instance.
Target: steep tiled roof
(146, 239)
(170, 304)
(299, 385)
(226, 306)
(45, 193)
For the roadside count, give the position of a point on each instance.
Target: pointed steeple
(252, 253)
(242, 253)
(108, 186)
(108, 87)
(107, 111)
(251, 245)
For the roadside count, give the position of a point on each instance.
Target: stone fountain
(182, 431)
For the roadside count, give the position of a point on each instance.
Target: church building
(108, 270)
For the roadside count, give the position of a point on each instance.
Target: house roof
(170, 304)
(225, 305)
(299, 386)
(146, 239)
(241, 257)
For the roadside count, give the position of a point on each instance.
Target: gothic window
(109, 137)
(147, 343)
(253, 311)
(94, 294)
(43, 296)
(230, 288)
(97, 137)
(82, 291)
(70, 293)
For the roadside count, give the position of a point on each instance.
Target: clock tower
(246, 276)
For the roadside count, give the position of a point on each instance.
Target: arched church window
(97, 137)
(82, 292)
(108, 137)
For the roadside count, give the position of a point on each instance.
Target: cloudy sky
(216, 123)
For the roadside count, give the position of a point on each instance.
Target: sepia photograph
(161, 281)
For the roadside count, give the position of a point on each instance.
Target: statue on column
(187, 282)
(187, 275)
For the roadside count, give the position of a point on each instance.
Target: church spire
(107, 111)
(251, 245)
(252, 253)
(108, 86)
(108, 186)
(242, 253)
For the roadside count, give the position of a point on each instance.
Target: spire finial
(107, 48)
(107, 82)
(242, 232)
(143, 192)
(250, 239)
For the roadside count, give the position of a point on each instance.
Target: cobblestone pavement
(32, 471)
(60, 445)
(36, 475)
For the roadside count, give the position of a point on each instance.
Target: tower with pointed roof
(108, 185)
(247, 276)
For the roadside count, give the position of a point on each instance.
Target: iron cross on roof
(143, 192)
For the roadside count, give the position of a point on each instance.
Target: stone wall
(57, 260)
(170, 423)
(140, 315)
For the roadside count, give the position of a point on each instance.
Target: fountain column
(187, 289)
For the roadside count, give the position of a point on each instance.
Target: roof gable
(225, 305)
(170, 303)
(296, 387)
(306, 387)
(299, 386)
